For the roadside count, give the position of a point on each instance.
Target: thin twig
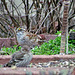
(45, 19)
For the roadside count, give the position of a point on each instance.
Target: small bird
(22, 37)
(26, 38)
(23, 57)
(20, 59)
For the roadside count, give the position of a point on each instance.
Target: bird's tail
(9, 64)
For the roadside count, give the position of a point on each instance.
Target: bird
(23, 57)
(26, 38)
(20, 59)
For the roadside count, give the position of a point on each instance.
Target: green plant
(0, 65)
(71, 48)
(48, 48)
(52, 47)
(10, 51)
(58, 32)
(72, 41)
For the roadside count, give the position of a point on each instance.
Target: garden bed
(40, 64)
(40, 59)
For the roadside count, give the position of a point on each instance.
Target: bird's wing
(26, 60)
(18, 55)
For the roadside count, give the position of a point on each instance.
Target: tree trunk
(64, 26)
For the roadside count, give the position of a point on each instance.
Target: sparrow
(26, 38)
(20, 59)
(23, 57)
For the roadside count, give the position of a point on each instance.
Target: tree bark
(64, 26)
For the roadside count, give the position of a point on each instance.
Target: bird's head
(20, 31)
